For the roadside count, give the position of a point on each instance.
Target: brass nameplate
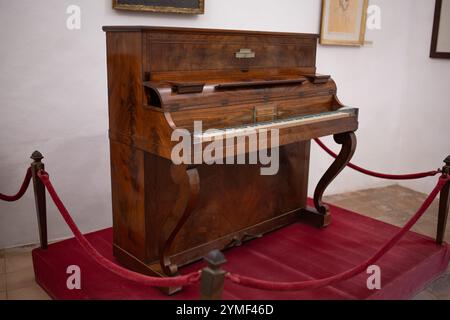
(245, 54)
(265, 113)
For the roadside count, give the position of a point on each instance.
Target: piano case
(162, 79)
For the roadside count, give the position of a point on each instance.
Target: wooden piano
(162, 79)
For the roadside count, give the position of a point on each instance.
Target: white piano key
(277, 124)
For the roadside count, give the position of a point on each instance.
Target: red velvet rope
(241, 280)
(316, 284)
(107, 264)
(380, 175)
(23, 189)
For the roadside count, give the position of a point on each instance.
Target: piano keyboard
(276, 124)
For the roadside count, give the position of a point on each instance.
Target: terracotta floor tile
(2, 283)
(334, 198)
(20, 279)
(2, 261)
(19, 250)
(340, 204)
(425, 295)
(29, 293)
(426, 228)
(18, 259)
(353, 202)
(2, 266)
(441, 287)
(369, 211)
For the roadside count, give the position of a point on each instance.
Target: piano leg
(320, 215)
(188, 179)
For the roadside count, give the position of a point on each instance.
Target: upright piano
(161, 80)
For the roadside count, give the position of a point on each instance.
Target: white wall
(54, 98)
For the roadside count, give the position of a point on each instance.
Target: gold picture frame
(122, 5)
(343, 22)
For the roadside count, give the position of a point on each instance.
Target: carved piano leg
(189, 182)
(320, 216)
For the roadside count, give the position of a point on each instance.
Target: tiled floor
(17, 276)
(395, 205)
(392, 204)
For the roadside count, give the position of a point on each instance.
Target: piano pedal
(248, 237)
(237, 242)
(312, 217)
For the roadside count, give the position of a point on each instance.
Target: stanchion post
(444, 201)
(213, 276)
(39, 198)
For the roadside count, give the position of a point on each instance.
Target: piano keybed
(213, 134)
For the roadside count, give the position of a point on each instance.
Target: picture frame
(440, 40)
(343, 22)
(163, 6)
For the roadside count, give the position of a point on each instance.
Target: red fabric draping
(107, 264)
(316, 284)
(241, 280)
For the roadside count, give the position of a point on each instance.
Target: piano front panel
(232, 198)
(232, 116)
(183, 50)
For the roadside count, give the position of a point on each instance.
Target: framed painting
(168, 6)
(343, 22)
(440, 41)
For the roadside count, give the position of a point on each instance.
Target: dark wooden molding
(206, 31)
(168, 8)
(434, 40)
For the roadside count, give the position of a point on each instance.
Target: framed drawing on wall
(440, 42)
(169, 6)
(343, 22)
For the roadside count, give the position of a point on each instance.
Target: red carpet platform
(295, 253)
